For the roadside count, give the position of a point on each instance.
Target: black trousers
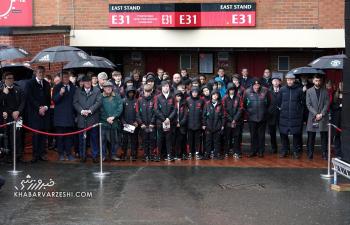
(132, 139)
(194, 140)
(286, 143)
(311, 136)
(64, 143)
(232, 141)
(148, 142)
(179, 142)
(165, 140)
(257, 136)
(272, 128)
(39, 142)
(212, 142)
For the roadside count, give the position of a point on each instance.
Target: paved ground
(175, 195)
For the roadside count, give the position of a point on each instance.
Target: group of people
(172, 118)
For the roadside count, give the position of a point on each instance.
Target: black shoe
(43, 158)
(218, 157)
(261, 155)
(252, 155)
(296, 155)
(283, 155)
(95, 160)
(310, 156)
(83, 160)
(156, 159)
(145, 159)
(133, 158)
(34, 160)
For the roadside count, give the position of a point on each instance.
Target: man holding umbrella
(39, 100)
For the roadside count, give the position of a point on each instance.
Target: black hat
(86, 78)
(149, 78)
(206, 86)
(256, 81)
(130, 88)
(195, 89)
(177, 92)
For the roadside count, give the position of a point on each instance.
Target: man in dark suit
(11, 107)
(39, 99)
(245, 81)
(64, 115)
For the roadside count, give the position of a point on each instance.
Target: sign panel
(180, 15)
(16, 13)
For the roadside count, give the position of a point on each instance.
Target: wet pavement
(173, 195)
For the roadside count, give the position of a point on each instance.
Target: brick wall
(35, 43)
(290, 14)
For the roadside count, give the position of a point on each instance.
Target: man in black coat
(12, 102)
(273, 115)
(194, 127)
(164, 107)
(233, 109)
(213, 124)
(64, 115)
(256, 102)
(245, 80)
(39, 99)
(266, 80)
(291, 106)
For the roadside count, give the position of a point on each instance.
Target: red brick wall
(35, 43)
(93, 14)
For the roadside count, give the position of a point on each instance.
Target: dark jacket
(274, 110)
(112, 106)
(145, 112)
(213, 117)
(118, 89)
(64, 113)
(245, 83)
(195, 112)
(37, 96)
(9, 107)
(91, 101)
(257, 104)
(315, 106)
(182, 116)
(164, 108)
(233, 108)
(129, 108)
(291, 106)
(266, 82)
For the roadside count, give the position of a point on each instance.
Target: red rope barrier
(337, 128)
(58, 134)
(6, 124)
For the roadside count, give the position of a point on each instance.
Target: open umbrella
(60, 54)
(21, 71)
(306, 70)
(8, 52)
(95, 62)
(329, 62)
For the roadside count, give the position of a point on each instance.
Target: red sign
(182, 15)
(16, 13)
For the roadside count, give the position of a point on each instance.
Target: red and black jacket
(145, 113)
(164, 108)
(195, 112)
(213, 117)
(233, 108)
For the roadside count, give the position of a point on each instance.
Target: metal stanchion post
(101, 173)
(14, 171)
(328, 175)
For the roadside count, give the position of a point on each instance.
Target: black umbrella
(8, 52)
(21, 71)
(306, 70)
(94, 62)
(329, 62)
(60, 54)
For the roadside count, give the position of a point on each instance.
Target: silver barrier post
(328, 175)
(14, 171)
(101, 173)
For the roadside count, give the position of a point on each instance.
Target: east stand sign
(182, 15)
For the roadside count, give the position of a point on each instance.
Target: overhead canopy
(224, 38)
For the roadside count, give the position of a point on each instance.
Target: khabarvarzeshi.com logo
(39, 188)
